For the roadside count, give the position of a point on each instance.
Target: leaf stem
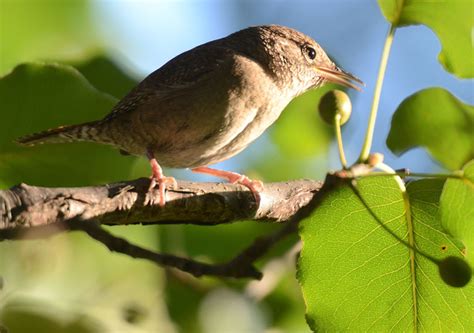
(340, 146)
(364, 154)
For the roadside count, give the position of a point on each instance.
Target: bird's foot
(157, 178)
(163, 183)
(255, 186)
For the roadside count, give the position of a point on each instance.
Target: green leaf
(356, 276)
(457, 208)
(300, 132)
(35, 97)
(435, 119)
(46, 29)
(451, 20)
(106, 76)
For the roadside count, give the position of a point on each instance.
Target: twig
(120, 245)
(239, 267)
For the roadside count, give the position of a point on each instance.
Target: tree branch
(37, 212)
(25, 207)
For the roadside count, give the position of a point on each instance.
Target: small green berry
(335, 102)
(455, 271)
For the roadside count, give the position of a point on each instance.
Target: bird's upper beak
(339, 76)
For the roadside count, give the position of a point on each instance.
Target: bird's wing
(176, 77)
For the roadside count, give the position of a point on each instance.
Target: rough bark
(25, 206)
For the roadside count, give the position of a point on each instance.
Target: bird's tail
(81, 132)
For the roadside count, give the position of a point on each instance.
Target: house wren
(209, 103)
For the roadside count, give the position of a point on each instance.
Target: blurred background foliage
(66, 61)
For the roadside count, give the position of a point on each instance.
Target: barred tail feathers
(70, 133)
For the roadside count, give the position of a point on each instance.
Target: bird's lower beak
(341, 77)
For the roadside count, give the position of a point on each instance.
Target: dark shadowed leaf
(35, 97)
(106, 76)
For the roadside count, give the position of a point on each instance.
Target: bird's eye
(310, 52)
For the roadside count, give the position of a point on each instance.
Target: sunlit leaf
(451, 20)
(435, 119)
(457, 208)
(356, 276)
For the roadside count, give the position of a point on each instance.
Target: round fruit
(333, 103)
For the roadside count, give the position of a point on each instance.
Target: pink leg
(255, 186)
(157, 178)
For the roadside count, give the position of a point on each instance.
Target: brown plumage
(209, 103)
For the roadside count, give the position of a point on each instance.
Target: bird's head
(293, 58)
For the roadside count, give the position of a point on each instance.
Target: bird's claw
(255, 186)
(163, 183)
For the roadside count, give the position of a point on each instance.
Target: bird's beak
(339, 76)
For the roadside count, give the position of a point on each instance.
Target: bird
(209, 103)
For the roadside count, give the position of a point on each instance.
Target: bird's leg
(255, 186)
(157, 178)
